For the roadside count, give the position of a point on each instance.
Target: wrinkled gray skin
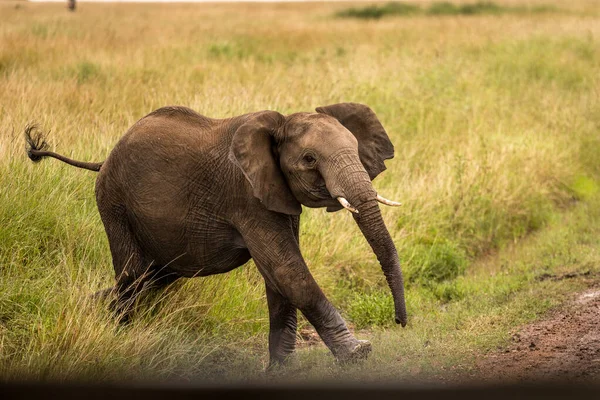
(183, 195)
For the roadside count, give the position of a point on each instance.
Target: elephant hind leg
(134, 271)
(124, 293)
(130, 286)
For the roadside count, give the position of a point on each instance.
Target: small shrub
(584, 187)
(435, 263)
(448, 291)
(372, 309)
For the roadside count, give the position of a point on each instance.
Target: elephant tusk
(347, 205)
(388, 202)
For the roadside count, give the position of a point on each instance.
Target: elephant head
(323, 159)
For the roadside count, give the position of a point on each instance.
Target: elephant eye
(309, 159)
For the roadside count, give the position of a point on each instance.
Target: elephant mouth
(313, 192)
(320, 193)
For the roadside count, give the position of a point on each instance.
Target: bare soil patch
(564, 347)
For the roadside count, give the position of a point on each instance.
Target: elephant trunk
(347, 178)
(373, 228)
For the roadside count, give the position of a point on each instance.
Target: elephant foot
(120, 308)
(278, 362)
(359, 351)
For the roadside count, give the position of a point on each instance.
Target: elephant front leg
(274, 248)
(295, 283)
(282, 331)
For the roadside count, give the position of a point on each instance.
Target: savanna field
(494, 112)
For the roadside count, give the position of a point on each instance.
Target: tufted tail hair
(37, 148)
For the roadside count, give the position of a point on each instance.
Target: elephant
(184, 195)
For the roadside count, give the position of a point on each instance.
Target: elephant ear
(251, 150)
(374, 145)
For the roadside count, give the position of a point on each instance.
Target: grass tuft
(86, 71)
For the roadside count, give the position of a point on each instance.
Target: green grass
(440, 8)
(496, 138)
(376, 12)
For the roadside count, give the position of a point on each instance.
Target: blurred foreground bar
(295, 392)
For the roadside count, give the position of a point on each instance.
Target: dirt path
(564, 347)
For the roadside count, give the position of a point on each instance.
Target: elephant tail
(37, 149)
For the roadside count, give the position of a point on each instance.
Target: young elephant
(183, 195)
